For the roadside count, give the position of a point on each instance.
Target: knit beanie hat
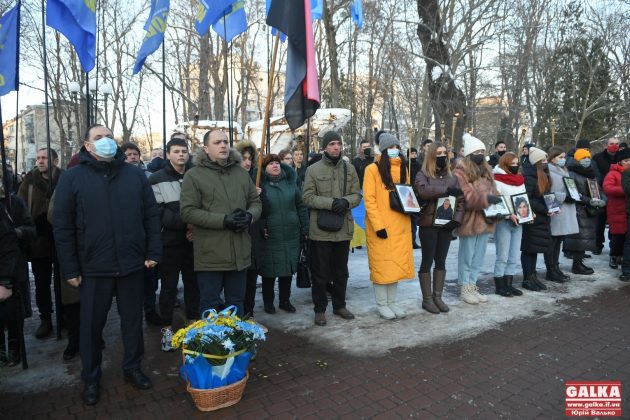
(270, 158)
(581, 154)
(583, 144)
(622, 154)
(387, 140)
(536, 155)
(330, 136)
(472, 144)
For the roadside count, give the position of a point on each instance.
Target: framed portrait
(499, 209)
(593, 189)
(522, 208)
(572, 190)
(407, 198)
(552, 203)
(444, 210)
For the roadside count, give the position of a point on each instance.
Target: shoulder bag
(328, 220)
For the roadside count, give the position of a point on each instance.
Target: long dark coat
(537, 234)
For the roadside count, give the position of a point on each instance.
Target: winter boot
(380, 293)
(561, 273)
(613, 263)
(45, 328)
(13, 352)
(539, 283)
(468, 294)
(480, 297)
(427, 298)
(530, 284)
(553, 276)
(508, 285)
(438, 286)
(391, 301)
(501, 288)
(580, 268)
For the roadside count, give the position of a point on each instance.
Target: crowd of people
(109, 225)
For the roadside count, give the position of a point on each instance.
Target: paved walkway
(515, 371)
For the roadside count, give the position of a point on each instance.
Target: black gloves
(340, 205)
(454, 191)
(237, 221)
(493, 199)
(382, 233)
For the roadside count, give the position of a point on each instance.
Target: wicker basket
(217, 398)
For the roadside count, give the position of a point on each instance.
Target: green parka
(210, 192)
(285, 218)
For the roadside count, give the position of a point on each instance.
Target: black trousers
(150, 287)
(176, 259)
(552, 257)
(616, 244)
(528, 261)
(435, 243)
(250, 292)
(414, 230)
(284, 289)
(212, 283)
(43, 272)
(96, 300)
(600, 227)
(329, 264)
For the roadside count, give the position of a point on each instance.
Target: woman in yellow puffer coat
(390, 253)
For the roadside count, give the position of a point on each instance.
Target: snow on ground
(369, 334)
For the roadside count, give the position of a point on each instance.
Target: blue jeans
(472, 250)
(212, 283)
(507, 239)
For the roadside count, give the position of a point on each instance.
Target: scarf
(510, 179)
(585, 172)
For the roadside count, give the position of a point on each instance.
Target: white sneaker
(480, 297)
(167, 336)
(467, 294)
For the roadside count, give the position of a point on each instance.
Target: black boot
(530, 284)
(580, 268)
(500, 287)
(553, 276)
(539, 283)
(13, 352)
(508, 285)
(613, 263)
(561, 273)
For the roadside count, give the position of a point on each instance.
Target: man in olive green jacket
(220, 200)
(330, 184)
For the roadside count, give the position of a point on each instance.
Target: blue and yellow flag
(317, 9)
(233, 22)
(209, 12)
(9, 49)
(76, 20)
(357, 13)
(155, 27)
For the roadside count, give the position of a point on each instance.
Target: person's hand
(189, 235)
(230, 221)
(514, 219)
(494, 199)
(5, 293)
(258, 190)
(75, 282)
(243, 221)
(149, 263)
(340, 205)
(382, 233)
(454, 191)
(266, 233)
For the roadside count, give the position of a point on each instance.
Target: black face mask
(514, 169)
(478, 159)
(367, 152)
(545, 166)
(501, 153)
(441, 162)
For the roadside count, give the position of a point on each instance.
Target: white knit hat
(536, 155)
(472, 144)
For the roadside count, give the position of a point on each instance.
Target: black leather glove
(243, 220)
(230, 221)
(494, 199)
(454, 191)
(382, 233)
(340, 205)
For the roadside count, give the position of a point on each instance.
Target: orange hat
(581, 154)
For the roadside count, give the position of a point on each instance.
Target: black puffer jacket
(536, 234)
(105, 218)
(585, 239)
(167, 187)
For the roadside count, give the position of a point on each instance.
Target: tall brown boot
(427, 298)
(438, 286)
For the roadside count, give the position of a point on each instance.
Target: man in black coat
(602, 161)
(363, 159)
(499, 150)
(107, 230)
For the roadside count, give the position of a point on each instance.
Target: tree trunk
(332, 52)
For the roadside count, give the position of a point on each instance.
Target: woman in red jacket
(616, 209)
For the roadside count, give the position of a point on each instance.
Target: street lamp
(106, 89)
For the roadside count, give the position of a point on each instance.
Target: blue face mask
(586, 162)
(105, 148)
(561, 162)
(393, 153)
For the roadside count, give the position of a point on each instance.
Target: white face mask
(393, 153)
(586, 162)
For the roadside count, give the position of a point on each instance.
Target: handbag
(328, 220)
(394, 202)
(303, 277)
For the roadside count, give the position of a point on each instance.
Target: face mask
(586, 162)
(367, 152)
(545, 166)
(478, 159)
(613, 148)
(561, 162)
(105, 148)
(441, 162)
(393, 153)
(501, 153)
(514, 169)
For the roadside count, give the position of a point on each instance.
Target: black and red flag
(301, 94)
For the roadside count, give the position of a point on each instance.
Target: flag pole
(265, 130)
(17, 132)
(164, 95)
(228, 51)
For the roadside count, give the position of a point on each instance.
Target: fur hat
(330, 136)
(387, 140)
(270, 158)
(583, 144)
(536, 155)
(581, 154)
(250, 146)
(622, 154)
(472, 144)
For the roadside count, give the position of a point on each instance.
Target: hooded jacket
(209, 193)
(167, 188)
(106, 221)
(616, 208)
